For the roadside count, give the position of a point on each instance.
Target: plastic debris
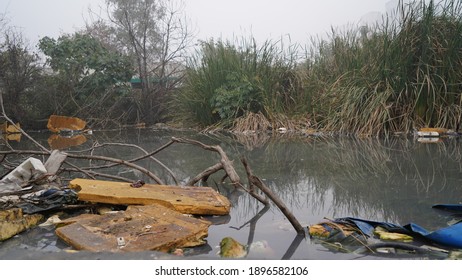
(51, 221)
(28, 169)
(383, 234)
(358, 235)
(47, 200)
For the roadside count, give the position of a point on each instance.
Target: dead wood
(254, 181)
(120, 161)
(204, 175)
(91, 174)
(146, 155)
(227, 164)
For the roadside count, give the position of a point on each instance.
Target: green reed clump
(225, 81)
(401, 74)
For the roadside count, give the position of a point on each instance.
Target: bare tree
(157, 36)
(19, 71)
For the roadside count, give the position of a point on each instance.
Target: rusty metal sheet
(139, 228)
(188, 200)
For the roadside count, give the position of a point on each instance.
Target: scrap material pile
(157, 217)
(364, 236)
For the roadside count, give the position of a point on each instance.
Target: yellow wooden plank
(139, 228)
(58, 123)
(188, 200)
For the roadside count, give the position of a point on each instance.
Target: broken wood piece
(12, 137)
(187, 200)
(139, 228)
(12, 222)
(62, 123)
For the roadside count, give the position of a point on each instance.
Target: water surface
(395, 179)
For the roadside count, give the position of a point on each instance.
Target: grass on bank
(397, 75)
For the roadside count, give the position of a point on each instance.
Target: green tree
(87, 74)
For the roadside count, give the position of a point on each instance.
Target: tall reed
(397, 75)
(229, 80)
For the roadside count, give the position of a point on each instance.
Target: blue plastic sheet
(457, 208)
(449, 236)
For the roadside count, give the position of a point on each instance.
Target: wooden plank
(188, 200)
(139, 228)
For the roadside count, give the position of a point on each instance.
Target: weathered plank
(188, 200)
(139, 228)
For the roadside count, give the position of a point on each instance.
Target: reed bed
(397, 75)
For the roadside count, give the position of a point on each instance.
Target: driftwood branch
(254, 181)
(120, 161)
(227, 164)
(93, 157)
(205, 174)
(146, 155)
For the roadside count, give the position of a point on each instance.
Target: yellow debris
(59, 123)
(392, 236)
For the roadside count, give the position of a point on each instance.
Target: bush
(225, 81)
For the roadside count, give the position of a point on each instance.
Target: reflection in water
(12, 137)
(396, 180)
(252, 224)
(58, 142)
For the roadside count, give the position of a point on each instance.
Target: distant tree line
(87, 74)
(136, 65)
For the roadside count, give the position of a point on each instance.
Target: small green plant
(236, 96)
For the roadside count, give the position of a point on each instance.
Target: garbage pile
(150, 217)
(361, 236)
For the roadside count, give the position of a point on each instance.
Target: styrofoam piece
(25, 171)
